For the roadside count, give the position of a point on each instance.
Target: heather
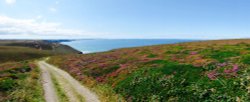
(20, 82)
(199, 71)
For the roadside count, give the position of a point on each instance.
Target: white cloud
(32, 27)
(52, 9)
(10, 1)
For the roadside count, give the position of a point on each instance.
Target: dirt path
(50, 94)
(74, 91)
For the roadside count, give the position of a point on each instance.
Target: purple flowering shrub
(190, 72)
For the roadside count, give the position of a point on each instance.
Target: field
(187, 72)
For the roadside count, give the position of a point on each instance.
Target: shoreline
(105, 45)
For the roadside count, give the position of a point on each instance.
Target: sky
(124, 19)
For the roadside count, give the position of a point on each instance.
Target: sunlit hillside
(197, 71)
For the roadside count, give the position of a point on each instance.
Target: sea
(101, 45)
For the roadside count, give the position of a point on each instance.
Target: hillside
(20, 82)
(19, 75)
(13, 54)
(19, 50)
(50, 45)
(187, 72)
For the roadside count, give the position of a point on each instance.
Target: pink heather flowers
(222, 64)
(193, 53)
(212, 75)
(227, 71)
(233, 70)
(100, 79)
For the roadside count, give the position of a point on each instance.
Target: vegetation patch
(246, 59)
(151, 84)
(152, 55)
(207, 71)
(21, 83)
(15, 54)
(7, 84)
(220, 55)
(59, 90)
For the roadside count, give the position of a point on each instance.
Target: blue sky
(170, 19)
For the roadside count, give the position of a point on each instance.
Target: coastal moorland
(202, 71)
(211, 71)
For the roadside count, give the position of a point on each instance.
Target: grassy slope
(20, 82)
(19, 78)
(198, 71)
(11, 53)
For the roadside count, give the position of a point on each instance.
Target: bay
(100, 45)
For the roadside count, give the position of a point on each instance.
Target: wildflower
(222, 64)
(228, 71)
(235, 68)
(100, 79)
(193, 53)
(212, 75)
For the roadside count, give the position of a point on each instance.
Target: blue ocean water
(100, 45)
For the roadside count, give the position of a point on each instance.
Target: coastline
(48, 45)
(103, 45)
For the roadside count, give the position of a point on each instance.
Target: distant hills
(48, 45)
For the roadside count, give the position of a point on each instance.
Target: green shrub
(102, 71)
(7, 84)
(152, 55)
(163, 62)
(151, 84)
(246, 59)
(174, 50)
(111, 69)
(220, 55)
